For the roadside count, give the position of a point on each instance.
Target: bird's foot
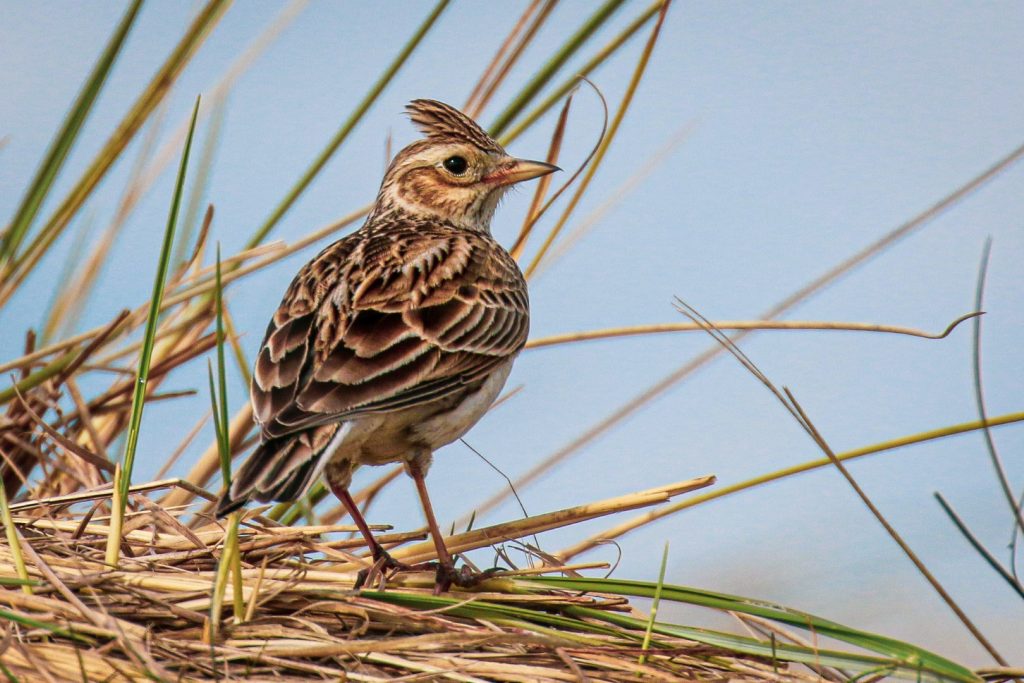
(446, 575)
(386, 566)
(463, 577)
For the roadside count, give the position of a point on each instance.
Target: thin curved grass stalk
(979, 393)
(791, 404)
(139, 395)
(779, 325)
(139, 112)
(594, 62)
(533, 213)
(553, 65)
(790, 301)
(788, 400)
(350, 123)
(62, 143)
(620, 530)
(606, 141)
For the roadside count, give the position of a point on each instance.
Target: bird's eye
(456, 165)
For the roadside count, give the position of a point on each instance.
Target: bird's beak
(518, 170)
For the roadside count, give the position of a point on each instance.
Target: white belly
(381, 438)
(444, 428)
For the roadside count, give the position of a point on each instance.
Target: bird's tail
(278, 470)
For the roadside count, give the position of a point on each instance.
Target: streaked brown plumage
(394, 341)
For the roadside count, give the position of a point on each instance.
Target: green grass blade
(774, 650)
(339, 137)
(29, 622)
(551, 67)
(223, 437)
(484, 610)
(575, 619)
(65, 138)
(904, 652)
(52, 369)
(14, 542)
(218, 428)
(654, 605)
(139, 395)
(7, 674)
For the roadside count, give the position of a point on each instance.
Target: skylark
(395, 340)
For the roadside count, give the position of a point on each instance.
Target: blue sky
(814, 128)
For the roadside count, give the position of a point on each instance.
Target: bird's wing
(387, 320)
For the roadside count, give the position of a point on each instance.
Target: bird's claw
(446, 576)
(386, 566)
(463, 577)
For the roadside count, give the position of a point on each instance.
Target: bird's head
(456, 173)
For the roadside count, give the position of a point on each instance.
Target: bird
(394, 340)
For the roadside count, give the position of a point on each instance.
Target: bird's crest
(439, 120)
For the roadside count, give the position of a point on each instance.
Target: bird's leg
(446, 572)
(382, 560)
(445, 567)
